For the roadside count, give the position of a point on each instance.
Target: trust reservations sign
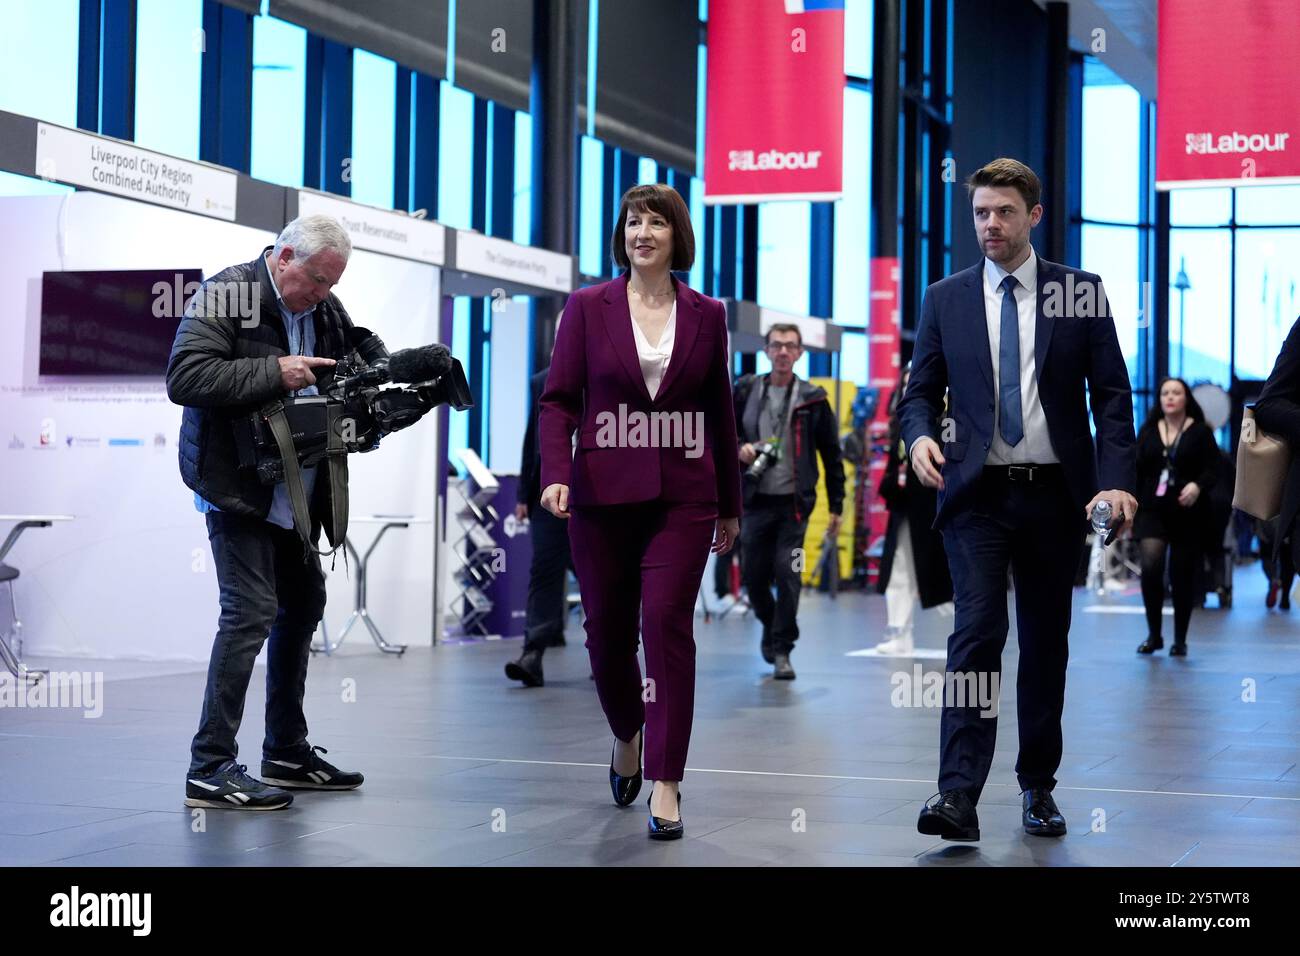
(774, 112)
(1228, 112)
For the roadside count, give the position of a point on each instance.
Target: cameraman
(223, 367)
(777, 505)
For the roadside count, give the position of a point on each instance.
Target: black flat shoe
(1041, 816)
(1151, 644)
(661, 829)
(1178, 650)
(952, 817)
(527, 669)
(766, 646)
(625, 789)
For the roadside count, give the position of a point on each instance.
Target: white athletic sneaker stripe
(285, 763)
(205, 786)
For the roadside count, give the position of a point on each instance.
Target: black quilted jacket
(223, 367)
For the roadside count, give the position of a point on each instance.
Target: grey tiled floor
(1165, 763)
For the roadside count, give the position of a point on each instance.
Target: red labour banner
(774, 115)
(1229, 101)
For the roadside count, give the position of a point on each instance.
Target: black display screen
(112, 323)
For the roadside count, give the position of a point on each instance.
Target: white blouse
(654, 358)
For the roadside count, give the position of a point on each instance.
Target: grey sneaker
(783, 669)
(230, 788)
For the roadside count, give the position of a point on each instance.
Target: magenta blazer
(595, 387)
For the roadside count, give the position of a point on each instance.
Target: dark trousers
(770, 537)
(1184, 559)
(266, 589)
(547, 594)
(1277, 559)
(644, 561)
(1036, 530)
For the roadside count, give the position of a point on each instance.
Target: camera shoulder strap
(337, 474)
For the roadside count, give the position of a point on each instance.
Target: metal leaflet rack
(475, 549)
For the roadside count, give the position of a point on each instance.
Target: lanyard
(1171, 450)
(785, 405)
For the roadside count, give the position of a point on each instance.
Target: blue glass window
(1268, 269)
(279, 101)
(523, 218)
(591, 206)
(455, 157)
(853, 215)
(168, 68)
(1111, 146)
(40, 78)
(1200, 315)
(374, 125)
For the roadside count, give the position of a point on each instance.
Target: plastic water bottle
(1101, 518)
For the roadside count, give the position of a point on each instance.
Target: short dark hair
(1008, 172)
(782, 327)
(667, 202)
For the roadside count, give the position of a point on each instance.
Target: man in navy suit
(1020, 345)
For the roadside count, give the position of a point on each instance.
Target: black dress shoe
(1152, 643)
(661, 829)
(952, 817)
(1041, 817)
(769, 652)
(1178, 650)
(625, 789)
(527, 669)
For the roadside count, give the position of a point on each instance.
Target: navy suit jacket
(1077, 357)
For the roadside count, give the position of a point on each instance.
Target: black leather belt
(1023, 473)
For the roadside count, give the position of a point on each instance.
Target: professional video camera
(353, 410)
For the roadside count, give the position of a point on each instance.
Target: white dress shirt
(654, 358)
(1036, 445)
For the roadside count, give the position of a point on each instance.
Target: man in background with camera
(223, 367)
(783, 423)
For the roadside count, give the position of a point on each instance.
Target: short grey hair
(308, 235)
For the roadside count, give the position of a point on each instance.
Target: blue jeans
(267, 589)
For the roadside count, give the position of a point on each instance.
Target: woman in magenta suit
(652, 484)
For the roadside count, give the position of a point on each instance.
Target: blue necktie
(1010, 423)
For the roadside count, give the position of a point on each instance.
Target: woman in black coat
(913, 564)
(1178, 462)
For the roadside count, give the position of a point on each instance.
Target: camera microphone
(420, 364)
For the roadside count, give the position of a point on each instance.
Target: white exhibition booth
(131, 576)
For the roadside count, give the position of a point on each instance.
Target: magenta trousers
(639, 568)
